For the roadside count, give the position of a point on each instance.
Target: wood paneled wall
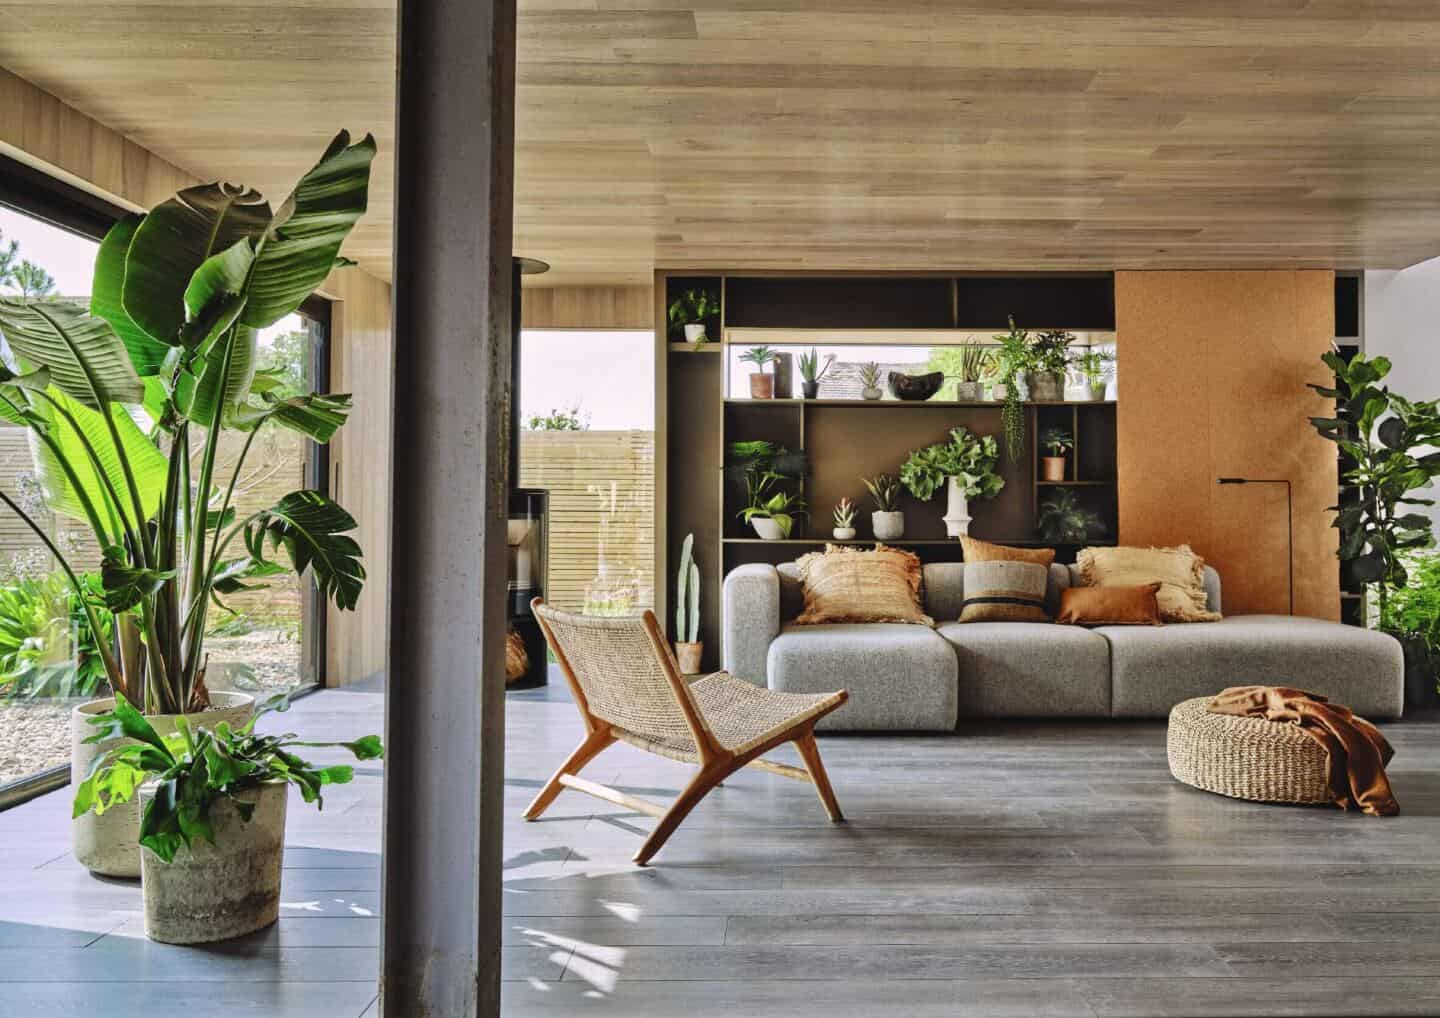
(41, 131)
(587, 307)
(1211, 381)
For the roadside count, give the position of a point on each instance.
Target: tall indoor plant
(126, 404)
(965, 465)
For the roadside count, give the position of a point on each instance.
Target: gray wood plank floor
(1023, 869)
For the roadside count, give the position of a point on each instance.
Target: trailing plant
(1057, 441)
(884, 492)
(1094, 366)
(692, 307)
(47, 648)
(1050, 351)
(967, 457)
(810, 368)
(127, 404)
(1012, 360)
(196, 768)
(687, 595)
(1063, 520)
(870, 375)
(1383, 434)
(765, 500)
(844, 514)
(759, 356)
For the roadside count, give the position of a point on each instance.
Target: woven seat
(628, 688)
(1245, 758)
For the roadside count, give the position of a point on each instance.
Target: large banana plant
(117, 399)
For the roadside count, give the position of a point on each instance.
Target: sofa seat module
(1030, 670)
(899, 677)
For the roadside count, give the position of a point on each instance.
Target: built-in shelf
(902, 543)
(906, 404)
(1073, 484)
(710, 347)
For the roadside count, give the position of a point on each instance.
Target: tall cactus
(694, 603)
(683, 583)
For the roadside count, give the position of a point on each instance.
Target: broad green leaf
(231, 576)
(127, 585)
(312, 529)
(219, 276)
(124, 721)
(366, 748)
(312, 224)
(146, 352)
(318, 415)
(196, 397)
(87, 361)
(173, 241)
(148, 463)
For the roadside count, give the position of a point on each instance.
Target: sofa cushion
(1030, 669)
(899, 677)
(976, 550)
(1180, 572)
(945, 589)
(1155, 668)
(1114, 606)
(844, 584)
(1004, 590)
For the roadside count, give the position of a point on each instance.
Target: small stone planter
(969, 392)
(888, 526)
(109, 845)
(228, 889)
(1095, 393)
(1045, 386)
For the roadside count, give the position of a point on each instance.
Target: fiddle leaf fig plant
(127, 404)
(967, 457)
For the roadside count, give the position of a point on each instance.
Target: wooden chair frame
(716, 762)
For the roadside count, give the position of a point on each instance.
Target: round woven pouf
(1247, 758)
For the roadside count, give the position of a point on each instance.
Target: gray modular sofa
(912, 677)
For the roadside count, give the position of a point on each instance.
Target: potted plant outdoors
(688, 648)
(975, 364)
(1049, 357)
(1012, 361)
(1386, 437)
(127, 404)
(812, 371)
(1412, 616)
(1063, 520)
(213, 832)
(689, 312)
(1093, 367)
(844, 518)
(965, 465)
(870, 378)
(762, 385)
(887, 522)
(1057, 442)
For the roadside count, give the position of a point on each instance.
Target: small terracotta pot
(762, 385)
(688, 654)
(1052, 468)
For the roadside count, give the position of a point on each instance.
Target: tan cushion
(983, 551)
(1179, 571)
(846, 584)
(1110, 606)
(1005, 591)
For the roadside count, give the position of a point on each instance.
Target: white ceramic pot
(1096, 392)
(694, 332)
(888, 526)
(843, 533)
(997, 392)
(109, 845)
(228, 889)
(767, 528)
(957, 509)
(871, 392)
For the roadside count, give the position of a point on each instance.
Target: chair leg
(699, 787)
(597, 740)
(810, 754)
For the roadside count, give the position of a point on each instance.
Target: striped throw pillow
(1002, 591)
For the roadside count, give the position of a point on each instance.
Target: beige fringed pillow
(1179, 571)
(844, 584)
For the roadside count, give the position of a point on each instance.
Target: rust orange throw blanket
(1357, 751)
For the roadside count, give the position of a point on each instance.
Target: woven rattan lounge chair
(628, 688)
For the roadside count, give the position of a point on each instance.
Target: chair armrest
(750, 610)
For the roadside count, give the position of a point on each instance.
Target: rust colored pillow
(983, 551)
(846, 584)
(1110, 606)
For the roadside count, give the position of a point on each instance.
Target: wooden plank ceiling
(836, 134)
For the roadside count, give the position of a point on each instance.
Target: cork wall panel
(1213, 367)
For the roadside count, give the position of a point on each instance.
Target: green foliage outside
(559, 419)
(22, 276)
(1414, 610)
(46, 646)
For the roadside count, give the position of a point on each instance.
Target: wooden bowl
(916, 387)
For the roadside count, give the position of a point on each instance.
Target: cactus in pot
(688, 647)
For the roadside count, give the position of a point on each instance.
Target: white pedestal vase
(228, 889)
(109, 844)
(957, 510)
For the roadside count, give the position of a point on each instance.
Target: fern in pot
(127, 405)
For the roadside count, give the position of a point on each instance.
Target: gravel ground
(35, 735)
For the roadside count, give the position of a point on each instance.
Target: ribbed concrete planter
(109, 845)
(228, 889)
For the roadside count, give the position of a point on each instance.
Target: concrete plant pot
(1096, 393)
(843, 533)
(228, 889)
(688, 657)
(1045, 386)
(969, 392)
(767, 528)
(888, 526)
(109, 845)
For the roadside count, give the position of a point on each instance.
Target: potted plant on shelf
(688, 648)
(760, 467)
(887, 521)
(762, 385)
(844, 517)
(770, 511)
(689, 312)
(870, 379)
(812, 371)
(1063, 520)
(1057, 443)
(965, 465)
(1093, 367)
(1049, 357)
(1012, 361)
(213, 832)
(975, 362)
(127, 404)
